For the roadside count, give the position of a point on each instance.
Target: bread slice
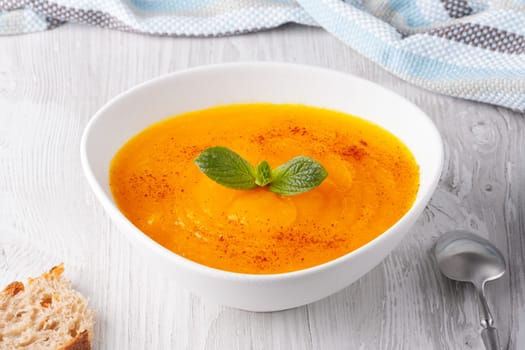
(45, 314)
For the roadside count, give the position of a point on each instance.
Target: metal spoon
(466, 257)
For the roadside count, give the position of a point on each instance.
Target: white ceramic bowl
(208, 86)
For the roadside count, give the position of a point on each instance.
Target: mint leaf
(263, 174)
(301, 174)
(227, 168)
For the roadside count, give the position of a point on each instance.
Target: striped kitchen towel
(472, 49)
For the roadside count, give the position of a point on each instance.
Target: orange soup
(372, 182)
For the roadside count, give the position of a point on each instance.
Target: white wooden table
(52, 83)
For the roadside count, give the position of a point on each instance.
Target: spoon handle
(486, 315)
(489, 333)
(490, 338)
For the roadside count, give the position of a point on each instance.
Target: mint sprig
(227, 168)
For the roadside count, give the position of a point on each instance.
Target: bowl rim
(141, 238)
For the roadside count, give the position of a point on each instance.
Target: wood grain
(52, 83)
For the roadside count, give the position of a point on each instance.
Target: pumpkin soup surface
(372, 182)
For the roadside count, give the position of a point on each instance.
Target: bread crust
(81, 342)
(12, 289)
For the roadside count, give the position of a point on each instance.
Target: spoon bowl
(466, 257)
